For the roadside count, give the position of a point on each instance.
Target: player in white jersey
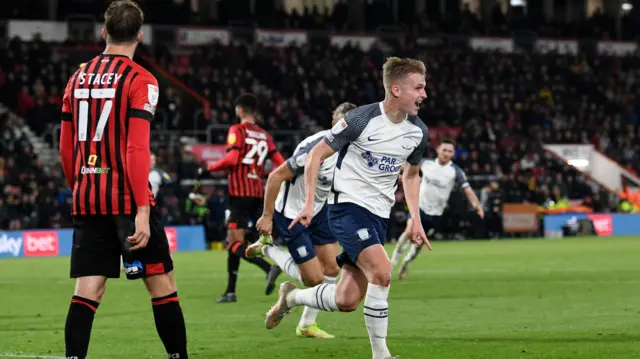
(311, 258)
(439, 177)
(373, 142)
(157, 177)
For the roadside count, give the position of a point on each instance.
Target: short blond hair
(396, 68)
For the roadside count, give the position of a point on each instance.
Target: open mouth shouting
(418, 102)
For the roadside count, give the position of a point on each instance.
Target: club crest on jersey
(371, 160)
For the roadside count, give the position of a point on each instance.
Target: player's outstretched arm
(274, 181)
(228, 161)
(411, 185)
(341, 134)
(276, 158)
(473, 199)
(311, 168)
(274, 155)
(235, 141)
(461, 178)
(318, 154)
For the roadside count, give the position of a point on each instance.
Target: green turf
(573, 299)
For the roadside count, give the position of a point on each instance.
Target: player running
(439, 177)
(248, 147)
(373, 142)
(300, 262)
(107, 109)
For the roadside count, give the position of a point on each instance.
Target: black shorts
(100, 240)
(244, 212)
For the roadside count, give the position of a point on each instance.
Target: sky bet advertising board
(54, 243)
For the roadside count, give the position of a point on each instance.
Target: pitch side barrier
(57, 242)
(600, 224)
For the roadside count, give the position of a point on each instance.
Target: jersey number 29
(259, 149)
(83, 111)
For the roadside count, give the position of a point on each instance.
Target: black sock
(239, 249)
(170, 325)
(233, 264)
(77, 330)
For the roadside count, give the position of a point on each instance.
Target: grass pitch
(571, 298)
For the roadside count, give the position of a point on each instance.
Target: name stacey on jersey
(107, 78)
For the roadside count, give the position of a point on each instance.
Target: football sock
(413, 254)
(309, 314)
(77, 330)
(376, 317)
(170, 325)
(233, 264)
(239, 248)
(322, 296)
(284, 260)
(401, 246)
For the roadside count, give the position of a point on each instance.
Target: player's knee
(348, 302)
(90, 289)
(382, 275)
(331, 270)
(160, 285)
(235, 235)
(312, 279)
(383, 280)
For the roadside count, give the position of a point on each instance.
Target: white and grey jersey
(157, 178)
(437, 183)
(372, 149)
(292, 196)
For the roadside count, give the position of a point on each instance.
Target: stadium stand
(500, 106)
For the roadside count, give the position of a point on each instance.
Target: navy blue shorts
(356, 228)
(301, 241)
(430, 223)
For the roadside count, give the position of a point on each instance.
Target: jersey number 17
(83, 112)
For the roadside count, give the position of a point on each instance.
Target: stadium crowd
(461, 20)
(499, 107)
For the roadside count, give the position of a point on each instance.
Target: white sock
(376, 317)
(322, 296)
(401, 246)
(309, 314)
(413, 254)
(284, 260)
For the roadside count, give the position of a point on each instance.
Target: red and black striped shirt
(107, 108)
(255, 146)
